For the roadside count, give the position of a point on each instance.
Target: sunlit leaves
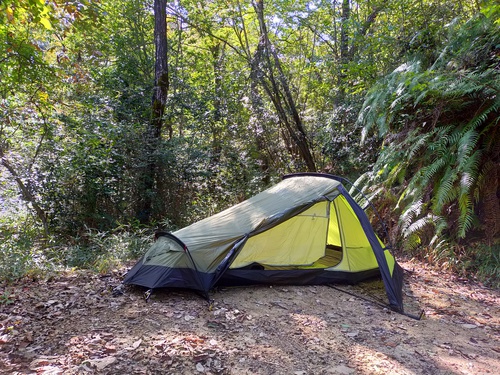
(444, 117)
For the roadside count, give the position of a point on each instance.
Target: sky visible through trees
(121, 115)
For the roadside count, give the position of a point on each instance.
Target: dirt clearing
(73, 325)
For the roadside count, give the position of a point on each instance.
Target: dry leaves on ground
(74, 325)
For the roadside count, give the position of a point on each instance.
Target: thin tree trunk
(370, 20)
(344, 31)
(161, 69)
(279, 91)
(258, 124)
(217, 51)
(149, 179)
(27, 194)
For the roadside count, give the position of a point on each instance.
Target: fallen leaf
(42, 361)
(136, 344)
(49, 370)
(101, 363)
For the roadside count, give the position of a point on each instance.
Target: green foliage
(342, 153)
(485, 263)
(18, 249)
(16, 258)
(24, 255)
(76, 81)
(439, 125)
(103, 251)
(5, 298)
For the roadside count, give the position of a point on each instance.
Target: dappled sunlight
(73, 324)
(464, 363)
(446, 297)
(376, 362)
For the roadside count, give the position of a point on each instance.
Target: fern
(445, 192)
(409, 215)
(466, 218)
(466, 145)
(420, 143)
(439, 127)
(433, 169)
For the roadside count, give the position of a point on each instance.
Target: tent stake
(148, 294)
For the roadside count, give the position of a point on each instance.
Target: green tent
(306, 229)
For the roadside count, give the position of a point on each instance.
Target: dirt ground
(72, 324)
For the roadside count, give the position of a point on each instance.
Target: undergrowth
(476, 261)
(24, 254)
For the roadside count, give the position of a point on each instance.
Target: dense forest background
(118, 117)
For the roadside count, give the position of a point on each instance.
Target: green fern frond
(421, 142)
(418, 225)
(409, 215)
(445, 192)
(441, 140)
(440, 223)
(470, 165)
(432, 170)
(455, 135)
(466, 144)
(419, 230)
(480, 119)
(467, 217)
(412, 193)
(466, 183)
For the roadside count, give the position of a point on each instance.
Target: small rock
(200, 368)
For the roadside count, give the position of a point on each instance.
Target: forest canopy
(118, 117)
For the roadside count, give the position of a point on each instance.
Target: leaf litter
(74, 324)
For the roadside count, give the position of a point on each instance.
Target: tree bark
(160, 90)
(344, 31)
(149, 179)
(275, 83)
(26, 193)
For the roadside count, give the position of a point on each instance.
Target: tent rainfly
(306, 229)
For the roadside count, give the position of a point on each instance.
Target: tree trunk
(258, 124)
(160, 90)
(275, 83)
(344, 31)
(149, 179)
(370, 20)
(217, 51)
(26, 193)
